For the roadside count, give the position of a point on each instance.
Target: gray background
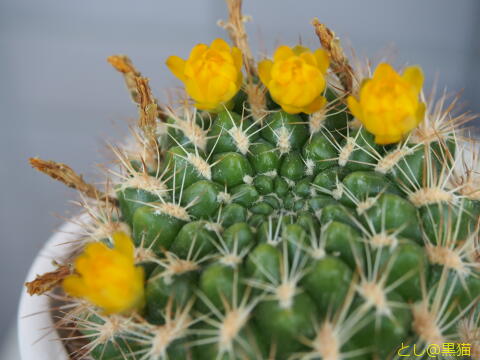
(59, 98)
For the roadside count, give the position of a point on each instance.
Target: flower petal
(176, 66)
(265, 71)
(291, 109)
(205, 106)
(414, 76)
(108, 277)
(295, 78)
(212, 74)
(237, 58)
(220, 45)
(420, 114)
(197, 52)
(388, 104)
(316, 105)
(282, 53)
(74, 286)
(387, 139)
(94, 248)
(384, 70)
(354, 107)
(299, 49)
(123, 244)
(309, 58)
(323, 60)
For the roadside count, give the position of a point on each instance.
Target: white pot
(37, 337)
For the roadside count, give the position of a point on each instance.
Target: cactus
(265, 232)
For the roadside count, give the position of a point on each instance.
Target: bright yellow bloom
(108, 277)
(296, 78)
(389, 105)
(212, 74)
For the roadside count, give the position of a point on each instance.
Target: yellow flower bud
(212, 74)
(108, 277)
(296, 78)
(388, 104)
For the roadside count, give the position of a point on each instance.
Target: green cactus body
(276, 238)
(269, 249)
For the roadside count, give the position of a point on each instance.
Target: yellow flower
(108, 277)
(296, 78)
(212, 74)
(389, 105)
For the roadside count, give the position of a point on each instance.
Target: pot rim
(37, 337)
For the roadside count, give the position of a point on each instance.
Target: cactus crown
(270, 233)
